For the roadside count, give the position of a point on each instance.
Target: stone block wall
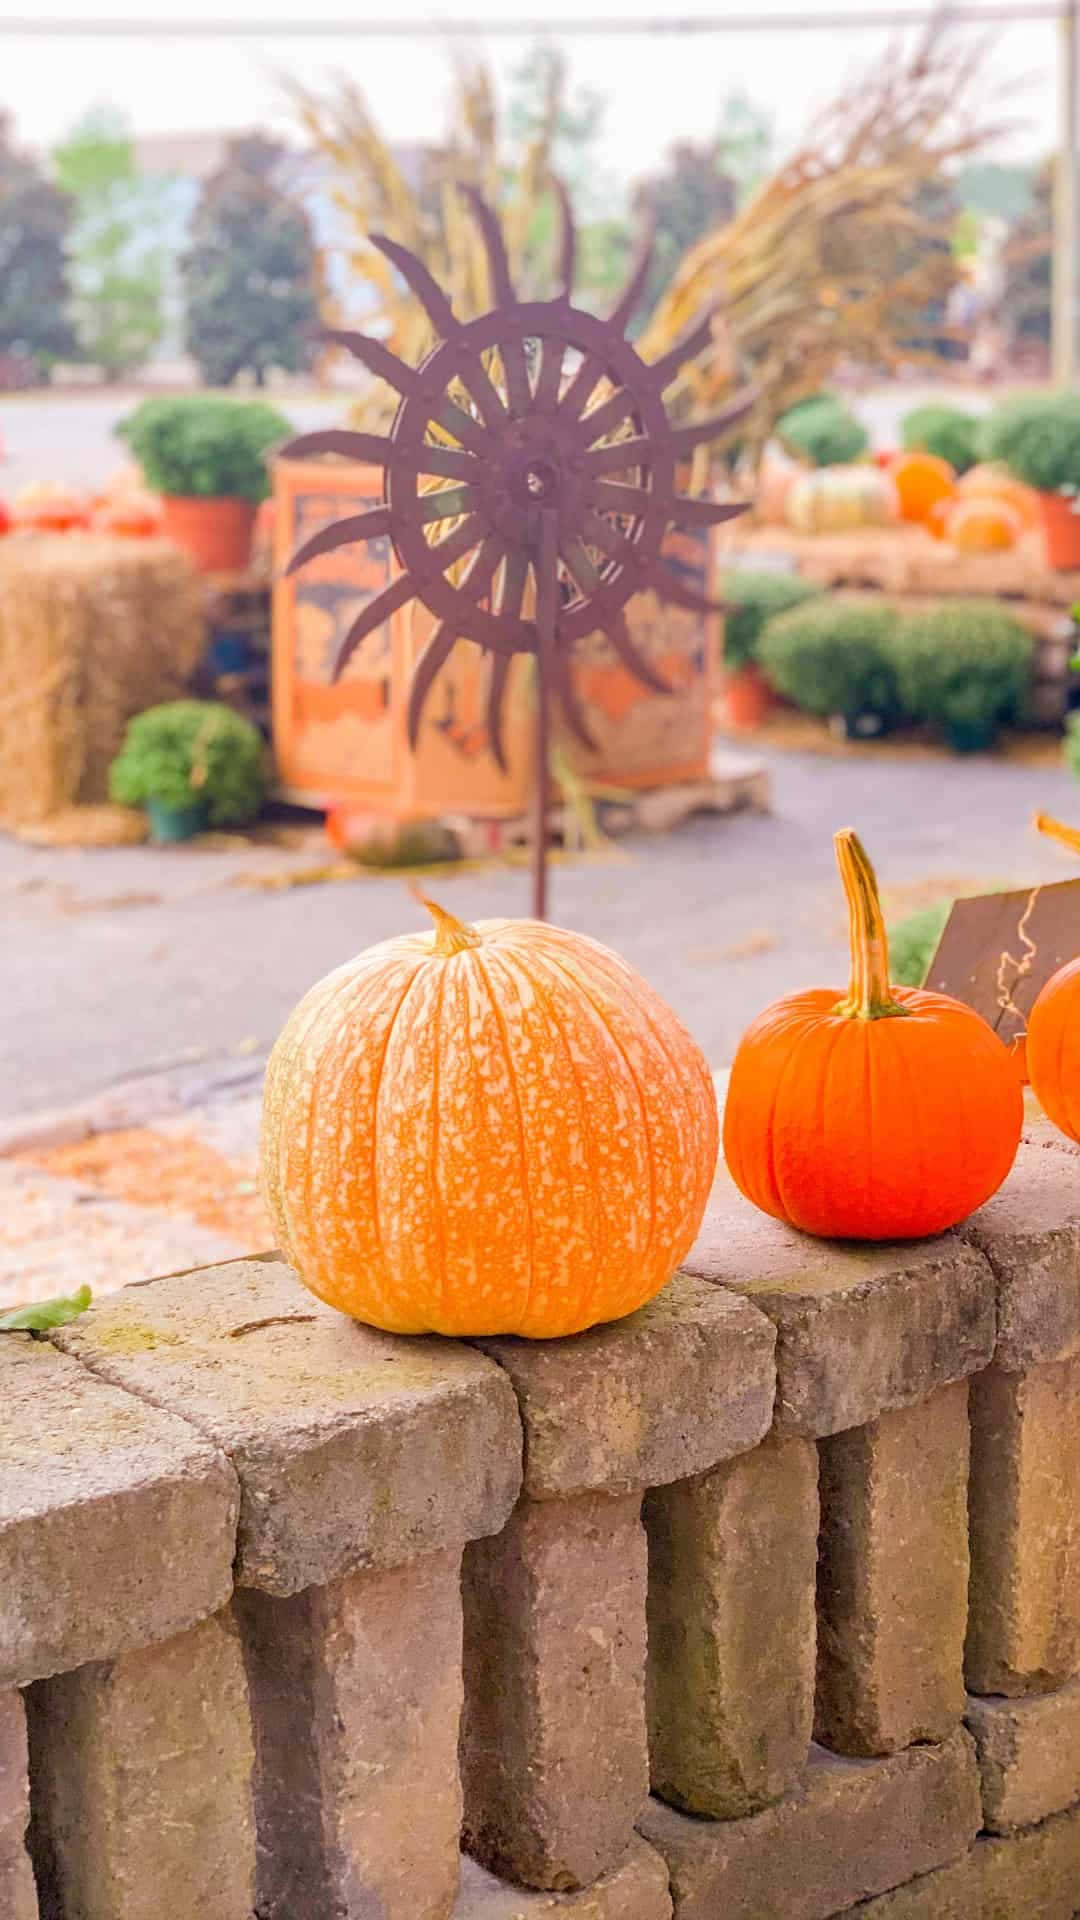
(763, 1604)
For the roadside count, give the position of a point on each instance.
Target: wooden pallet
(736, 782)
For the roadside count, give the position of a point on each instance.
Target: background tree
(703, 184)
(35, 218)
(116, 249)
(250, 275)
(744, 144)
(1028, 264)
(694, 194)
(542, 108)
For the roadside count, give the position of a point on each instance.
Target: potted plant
(965, 667)
(1038, 438)
(207, 458)
(191, 764)
(752, 599)
(833, 660)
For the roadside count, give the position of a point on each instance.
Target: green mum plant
(194, 446)
(190, 753)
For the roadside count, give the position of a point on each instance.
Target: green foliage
(1028, 264)
(1072, 744)
(913, 943)
(822, 430)
(116, 251)
(966, 667)
(754, 598)
(1006, 190)
(944, 431)
(198, 445)
(833, 659)
(744, 140)
(43, 1314)
(1037, 436)
(693, 194)
(250, 275)
(35, 219)
(192, 751)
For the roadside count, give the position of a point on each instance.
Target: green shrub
(1038, 438)
(194, 445)
(952, 435)
(192, 751)
(1072, 744)
(754, 598)
(834, 659)
(913, 943)
(822, 430)
(965, 667)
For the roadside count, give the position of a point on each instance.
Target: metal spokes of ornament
(561, 461)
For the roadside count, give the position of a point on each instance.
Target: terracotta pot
(748, 697)
(1061, 526)
(216, 533)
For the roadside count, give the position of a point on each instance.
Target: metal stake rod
(547, 596)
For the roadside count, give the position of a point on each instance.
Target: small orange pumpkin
(920, 479)
(498, 1129)
(49, 509)
(884, 1114)
(988, 482)
(937, 519)
(130, 516)
(1053, 1049)
(983, 525)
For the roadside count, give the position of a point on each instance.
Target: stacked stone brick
(762, 1604)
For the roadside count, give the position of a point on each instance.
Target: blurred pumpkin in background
(937, 520)
(983, 526)
(45, 508)
(840, 499)
(131, 516)
(921, 480)
(988, 482)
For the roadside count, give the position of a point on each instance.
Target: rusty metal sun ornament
(562, 462)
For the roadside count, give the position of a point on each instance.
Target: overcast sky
(660, 89)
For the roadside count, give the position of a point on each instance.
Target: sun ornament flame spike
(531, 444)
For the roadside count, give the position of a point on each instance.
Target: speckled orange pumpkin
(495, 1129)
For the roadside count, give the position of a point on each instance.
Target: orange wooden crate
(346, 744)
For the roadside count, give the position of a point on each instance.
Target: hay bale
(92, 631)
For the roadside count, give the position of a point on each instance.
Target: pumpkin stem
(451, 935)
(1056, 830)
(869, 996)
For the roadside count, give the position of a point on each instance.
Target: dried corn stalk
(832, 259)
(427, 214)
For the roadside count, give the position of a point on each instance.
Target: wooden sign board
(998, 951)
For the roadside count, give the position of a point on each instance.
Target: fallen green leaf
(46, 1313)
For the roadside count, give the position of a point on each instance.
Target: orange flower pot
(216, 533)
(1061, 527)
(748, 698)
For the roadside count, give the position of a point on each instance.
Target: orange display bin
(344, 745)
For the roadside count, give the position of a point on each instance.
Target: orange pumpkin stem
(1056, 830)
(869, 996)
(451, 935)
